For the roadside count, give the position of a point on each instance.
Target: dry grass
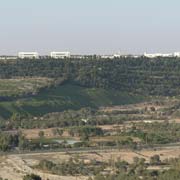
(48, 133)
(14, 167)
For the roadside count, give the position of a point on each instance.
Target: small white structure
(60, 55)
(8, 57)
(29, 55)
(107, 56)
(117, 55)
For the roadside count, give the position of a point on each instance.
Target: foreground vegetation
(112, 170)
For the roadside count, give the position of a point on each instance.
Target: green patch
(67, 97)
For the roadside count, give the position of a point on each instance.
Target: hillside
(37, 87)
(159, 76)
(65, 97)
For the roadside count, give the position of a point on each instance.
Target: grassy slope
(21, 86)
(66, 97)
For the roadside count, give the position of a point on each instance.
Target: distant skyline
(89, 27)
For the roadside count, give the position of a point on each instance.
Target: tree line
(138, 75)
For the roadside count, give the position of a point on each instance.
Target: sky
(89, 26)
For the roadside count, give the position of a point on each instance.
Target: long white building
(158, 55)
(60, 55)
(30, 55)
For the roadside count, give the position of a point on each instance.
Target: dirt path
(14, 167)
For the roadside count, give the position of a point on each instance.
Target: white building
(158, 55)
(177, 54)
(30, 55)
(60, 55)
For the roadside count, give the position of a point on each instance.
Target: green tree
(32, 177)
(41, 134)
(155, 160)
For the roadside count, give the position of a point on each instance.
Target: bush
(32, 177)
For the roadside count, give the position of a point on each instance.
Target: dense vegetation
(65, 97)
(32, 177)
(9, 141)
(90, 82)
(138, 75)
(156, 133)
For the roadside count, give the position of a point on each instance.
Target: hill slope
(66, 97)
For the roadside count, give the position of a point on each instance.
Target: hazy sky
(89, 26)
